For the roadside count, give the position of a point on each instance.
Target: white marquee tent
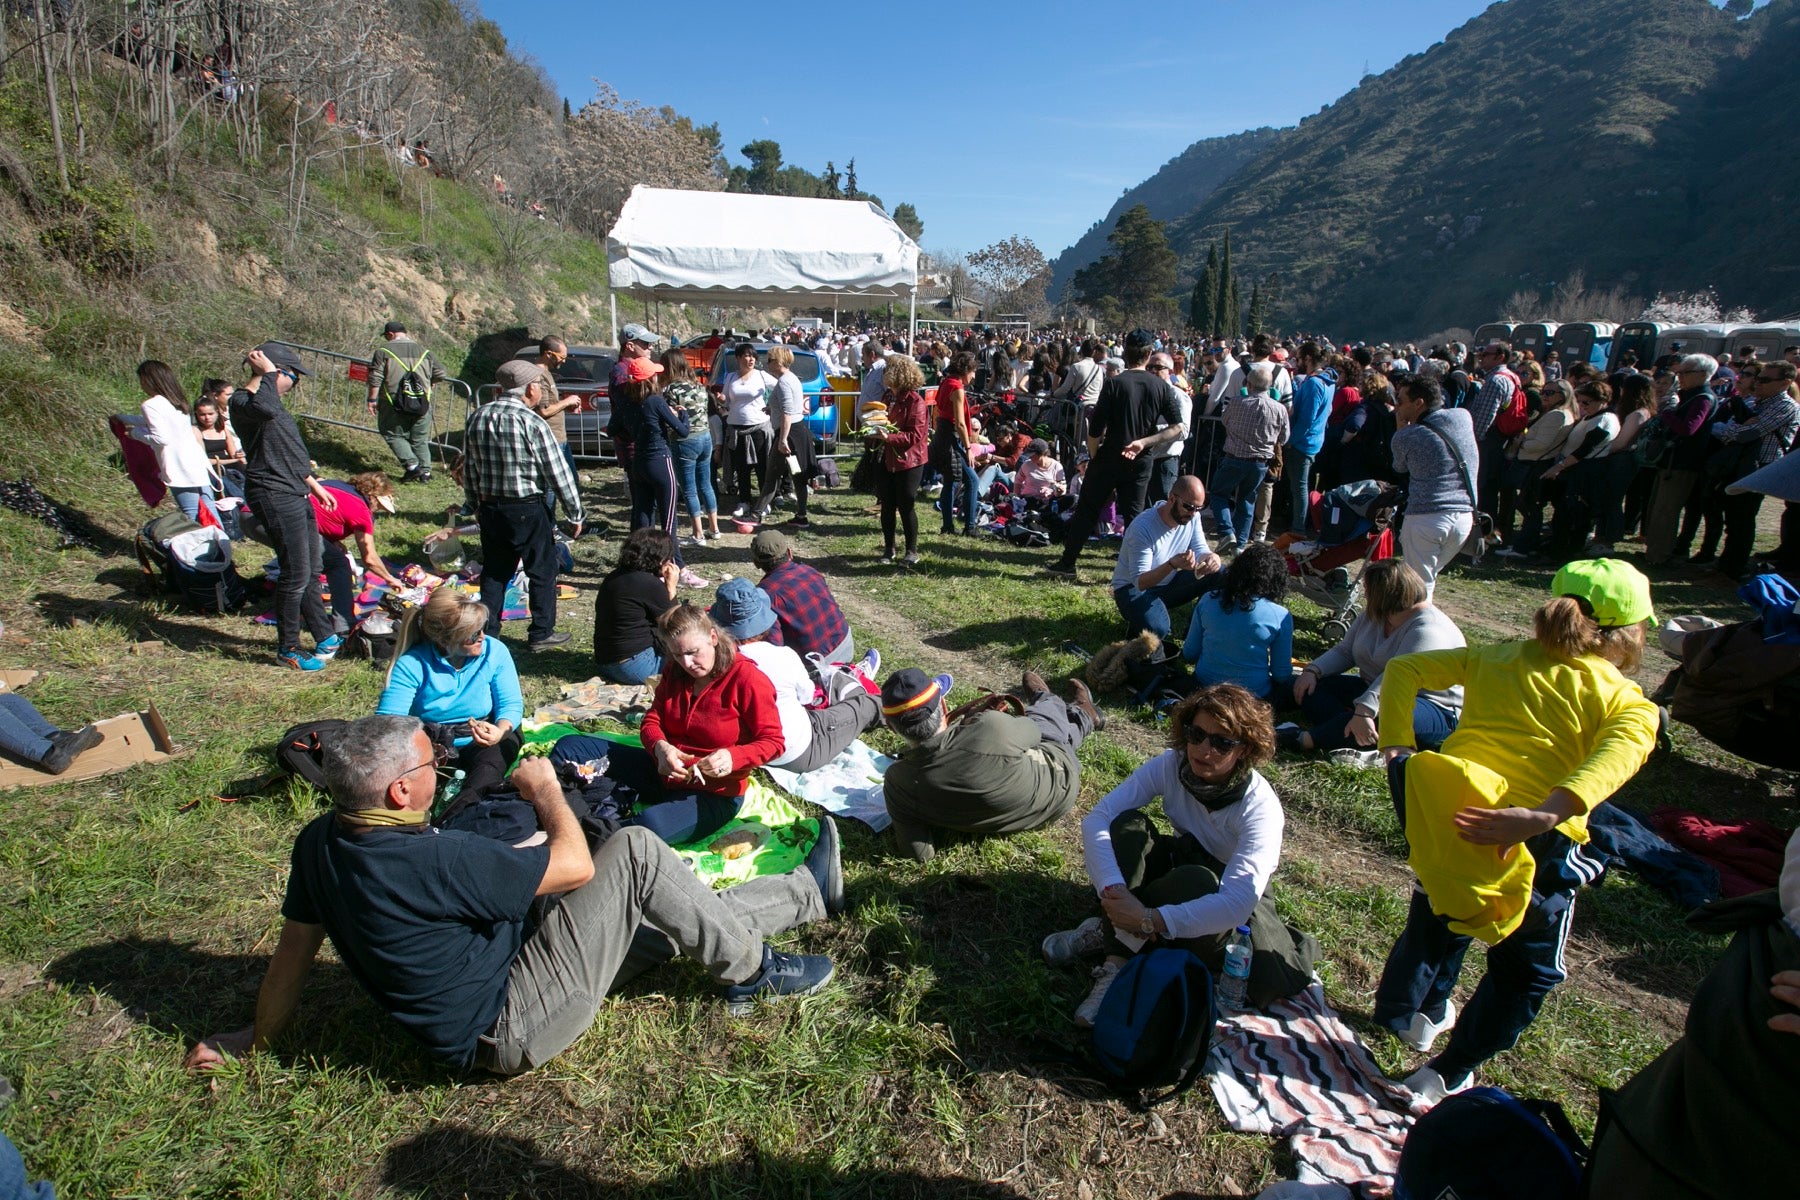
(733, 249)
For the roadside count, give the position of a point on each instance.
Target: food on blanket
(736, 844)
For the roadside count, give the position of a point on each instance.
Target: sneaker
(552, 640)
(1703, 560)
(1069, 946)
(781, 975)
(826, 863)
(798, 523)
(1600, 549)
(411, 475)
(424, 475)
(1356, 758)
(1287, 737)
(328, 649)
(1421, 1031)
(1083, 699)
(886, 560)
(911, 560)
(1509, 552)
(742, 510)
(1060, 569)
(1088, 1009)
(689, 579)
(870, 663)
(67, 745)
(1429, 1088)
(299, 660)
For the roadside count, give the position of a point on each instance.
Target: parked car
(586, 374)
(809, 369)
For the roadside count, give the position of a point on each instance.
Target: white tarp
(730, 248)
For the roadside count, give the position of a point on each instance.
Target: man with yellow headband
(991, 774)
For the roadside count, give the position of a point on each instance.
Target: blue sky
(1024, 119)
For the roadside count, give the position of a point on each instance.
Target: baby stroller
(1353, 525)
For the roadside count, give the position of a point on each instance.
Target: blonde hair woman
(791, 458)
(461, 683)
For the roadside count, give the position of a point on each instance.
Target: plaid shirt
(509, 453)
(1256, 426)
(1775, 421)
(808, 618)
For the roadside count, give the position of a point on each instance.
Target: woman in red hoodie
(712, 722)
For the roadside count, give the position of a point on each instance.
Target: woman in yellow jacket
(1550, 729)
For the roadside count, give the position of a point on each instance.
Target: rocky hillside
(1641, 141)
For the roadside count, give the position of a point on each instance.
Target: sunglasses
(1217, 742)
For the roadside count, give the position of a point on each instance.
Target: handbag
(1481, 528)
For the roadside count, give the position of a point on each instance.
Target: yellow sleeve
(1627, 736)
(1402, 680)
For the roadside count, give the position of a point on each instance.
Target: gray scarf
(1216, 796)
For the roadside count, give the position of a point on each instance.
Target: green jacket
(994, 774)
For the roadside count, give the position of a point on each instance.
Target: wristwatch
(1147, 923)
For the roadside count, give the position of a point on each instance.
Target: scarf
(363, 819)
(1215, 797)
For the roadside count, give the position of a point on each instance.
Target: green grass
(137, 924)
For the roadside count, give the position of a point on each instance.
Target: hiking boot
(1033, 685)
(1069, 946)
(826, 863)
(299, 660)
(551, 640)
(424, 475)
(1429, 1088)
(1060, 569)
(67, 745)
(1421, 1031)
(781, 975)
(328, 649)
(1083, 698)
(411, 475)
(1088, 1009)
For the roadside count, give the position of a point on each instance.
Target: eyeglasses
(1218, 743)
(292, 377)
(439, 755)
(1187, 506)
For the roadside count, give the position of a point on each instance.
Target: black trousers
(897, 491)
(293, 532)
(515, 532)
(1108, 474)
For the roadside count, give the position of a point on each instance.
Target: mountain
(1644, 142)
(1182, 183)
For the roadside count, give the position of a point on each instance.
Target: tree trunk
(47, 64)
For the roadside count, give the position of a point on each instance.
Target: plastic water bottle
(455, 786)
(1235, 984)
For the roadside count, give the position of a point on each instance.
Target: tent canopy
(731, 248)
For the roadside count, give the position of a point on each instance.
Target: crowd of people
(496, 956)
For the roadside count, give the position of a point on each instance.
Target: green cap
(1616, 591)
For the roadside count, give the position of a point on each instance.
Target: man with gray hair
(432, 923)
(511, 464)
(1256, 427)
(1684, 424)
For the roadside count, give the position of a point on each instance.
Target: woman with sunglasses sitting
(448, 673)
(1191, 888)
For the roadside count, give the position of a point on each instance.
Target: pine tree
(1234, 313)
(1254, 325)
(1226, 305)
(567, 115)
(1203, 309)
(850, 181)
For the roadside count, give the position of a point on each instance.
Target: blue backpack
(1156, 1023)
(1487, 1144)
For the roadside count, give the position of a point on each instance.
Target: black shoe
(1084, 700)
(1703, 559)
(551, 641)
(424, 475)
(782, 975)
(1287, 737)
(67, 745)
(1064, 570)
(411, 475)
(826, 863)
(797, 523)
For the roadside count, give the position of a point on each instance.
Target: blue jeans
(1148, 608)
(1296, 470)
(191, 500)
(693, 464)
(677, 817)
(635, 669)
(987, 476)
(1234, 497)
(1328, 710)
(960, 475)
(24, 734)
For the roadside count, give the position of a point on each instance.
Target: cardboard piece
(130, 739)
(12, 681)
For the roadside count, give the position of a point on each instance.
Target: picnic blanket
(622, 702)
(847, 786)
(1296, 1071)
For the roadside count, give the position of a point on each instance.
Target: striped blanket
(1297, 1071)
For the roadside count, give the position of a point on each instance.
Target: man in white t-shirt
(1164, 561)
(874, 379)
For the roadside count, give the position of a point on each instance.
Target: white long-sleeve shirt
(1245, 836)
(179, 455)
(793, 692)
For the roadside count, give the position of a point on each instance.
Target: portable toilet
(1638, 337)
(1693, 339)
(1769, 341)
(1536, 337)
(1497, 332)
(1583, 341)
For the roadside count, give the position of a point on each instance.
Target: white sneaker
(1070, 945)
(1104, 974)
(1356, 758)
(742, 510)
(1422, 1030)
(1429, 1088)
(871, 663)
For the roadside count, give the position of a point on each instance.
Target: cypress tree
(1234, 313)
(1254, 325)
(1227, 286)
(1203, 309)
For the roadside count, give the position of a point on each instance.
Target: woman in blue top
(1240, 633)
(448, 673)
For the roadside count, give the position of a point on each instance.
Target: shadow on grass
(137, 614)
(451, 1161)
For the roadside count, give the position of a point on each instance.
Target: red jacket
(907, 446)
(736, 711)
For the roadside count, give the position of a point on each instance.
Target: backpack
(301, 750)
(1511, 420)
(1486, 1144)
(412, 392)
(192, 562)
(1156, 1023)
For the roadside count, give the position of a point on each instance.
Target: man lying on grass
(432, 922)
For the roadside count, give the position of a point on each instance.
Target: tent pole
(912, 320)
(612, 303)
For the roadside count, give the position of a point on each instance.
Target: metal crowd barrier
(337, 393)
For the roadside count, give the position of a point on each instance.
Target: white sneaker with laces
(1070, 945)
(1423, 1031)
(1104, 974)
(1356, 758)
(1429, 1088)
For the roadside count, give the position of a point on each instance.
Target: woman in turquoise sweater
(460, 681)
(1240, 633)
